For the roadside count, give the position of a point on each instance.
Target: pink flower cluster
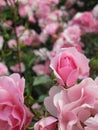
(73, 103)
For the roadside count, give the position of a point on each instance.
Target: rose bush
(14, 115)
(34, 33)
(69, 65)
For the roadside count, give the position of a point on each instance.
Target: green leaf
(29, 100)
(41, 80)
(41, 98)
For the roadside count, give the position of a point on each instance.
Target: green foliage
(90, 44)
(39, 80)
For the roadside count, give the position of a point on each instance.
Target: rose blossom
(18, 67)
(50, 31)
(69, 65)
(13, 113)
(12, 43)
(42, 69)
(85, 21)
(48, 123)
(61, 43)
(95, 12)
(76, 107)
(2, 3)
(3, 69)
(72, 35)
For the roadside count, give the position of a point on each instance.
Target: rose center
(68, 62)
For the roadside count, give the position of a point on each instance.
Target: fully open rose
(76, 107)
(13, 113)
(69, 65)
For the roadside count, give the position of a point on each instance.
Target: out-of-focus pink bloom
(77, 107)
(1, 42)
(37, 107)
(41, 69)
(11, 2)
(26, 8)
(3, 69)
(52, 17)
(32, 19)
(22, 11)
(61, 43)
(20, 30)
(30, 38)
(72, 12)
(95, 12)
(48, 123)
(80, 3)
(2, 3)
(96, 27)
(43, 12)
(69, 3)
(85, 21)
(54, 1)
(14, 115)
(72, 34)
(42, 53)
(12, 43)
(70, 37)
(51, 29)
(67, 68)
(43, 37)
(27, 37)
(9, 22)
(18, 67)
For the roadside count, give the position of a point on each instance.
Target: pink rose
(3, 69)
(48, 123)
(13, 113)
(76, 107)
(85, 21)
(62, 43)
(72, 35)
(18, 67)
(42, 69)
(2, 3)
(95, 12)
(50, 31)
(69, 3)
(12, 43)
(69, 65)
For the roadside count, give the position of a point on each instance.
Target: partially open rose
(69, 65)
